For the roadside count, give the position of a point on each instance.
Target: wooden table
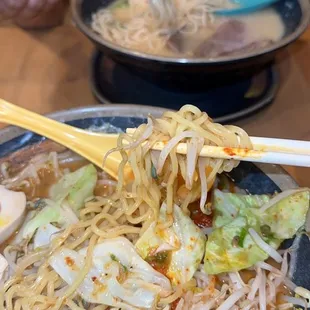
(46, 71)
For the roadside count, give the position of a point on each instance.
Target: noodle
(143, 28)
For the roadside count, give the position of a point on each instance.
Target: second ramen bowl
(190, 72)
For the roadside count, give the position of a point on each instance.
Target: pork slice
(176, 42)
(251, 47)
(230, 36)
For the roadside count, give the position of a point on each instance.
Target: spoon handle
(92, 146)
(14, 115)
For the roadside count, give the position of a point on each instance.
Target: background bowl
(195, 72)
(255, 179)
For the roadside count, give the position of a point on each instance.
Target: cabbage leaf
(75, 187)
(231, 248)
(118, 276)
(183, 241)
(52, 212)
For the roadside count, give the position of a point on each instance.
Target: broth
(47, 179)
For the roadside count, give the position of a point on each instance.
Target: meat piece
(175, 42)
(229, 37)
(251, 47)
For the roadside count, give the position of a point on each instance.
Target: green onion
(266, 230)
(153, 172)
(159, 258)
(118, 4)
(113, 257)
(242, 237)
(40, 204)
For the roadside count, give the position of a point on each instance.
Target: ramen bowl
(18, 145)
(180, 72)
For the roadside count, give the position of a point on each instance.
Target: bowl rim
(275, 172)
(86, 30)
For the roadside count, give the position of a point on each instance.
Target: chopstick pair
(265, 150)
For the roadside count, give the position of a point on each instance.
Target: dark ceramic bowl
(179, 72)
(255, 179)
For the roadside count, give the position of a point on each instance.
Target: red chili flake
(69, 261)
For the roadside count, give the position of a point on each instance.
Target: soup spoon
(245, 7)
(165, 9)
(90, 145)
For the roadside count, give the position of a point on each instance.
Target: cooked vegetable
(224, 255)
(228, 206)
(67, 195)
(119, 4)
(3, 267)
(230, 247)
(51, 213)
(283, 219)
(153, 172)
(241, 237)
(184, 240)
(287, 216)
(44, 235)
(75, 187)
(160, 261)
(118, 277)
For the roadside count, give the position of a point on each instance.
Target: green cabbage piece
(184, 241)
(230, 247)
(244, 204)
(75, 187)
(224, 252)
(49, 214)
(287, 216)
(69, 193)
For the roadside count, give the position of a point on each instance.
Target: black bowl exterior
(190, 77)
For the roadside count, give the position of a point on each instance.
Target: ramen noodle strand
(29, 260)
(171, 298)
(190, 125)
(171, 180)
(138, 219)
(86, 235)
